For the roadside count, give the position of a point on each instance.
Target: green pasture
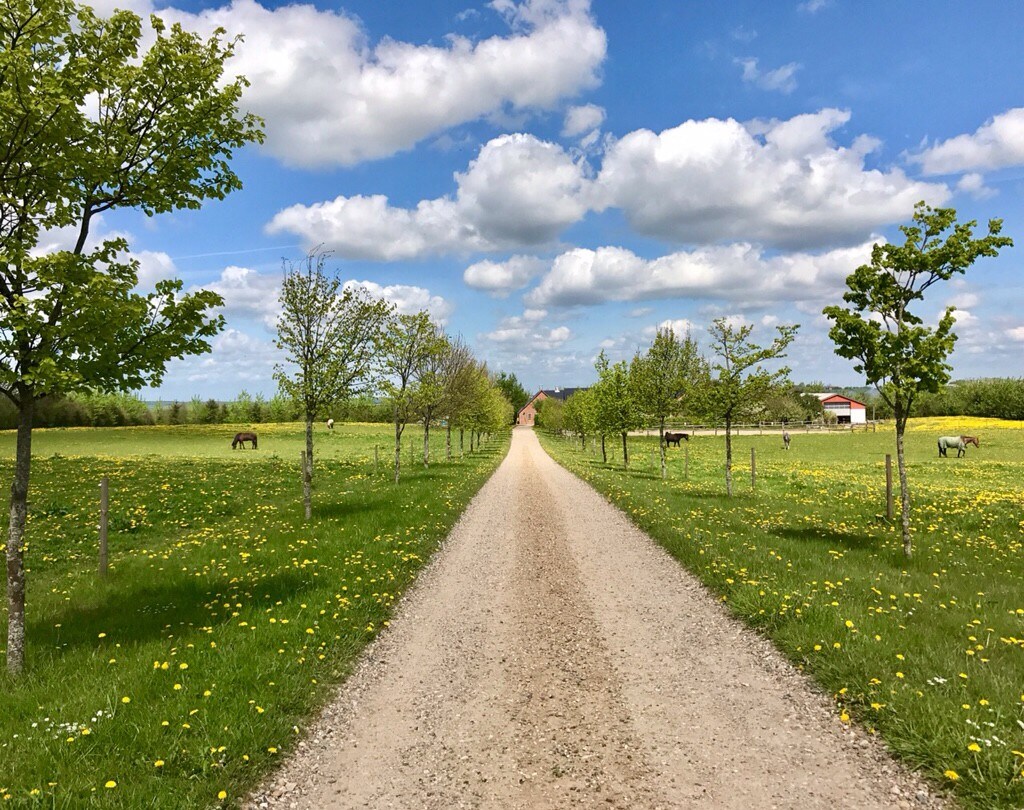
(929, 653)
(225, 619)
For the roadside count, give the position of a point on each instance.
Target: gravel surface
(553, 656)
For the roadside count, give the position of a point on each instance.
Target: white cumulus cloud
(518, 191)
(409, 300)
(739, 272)
(996, 144)
(783, 183)
(782, 79)
(331, 97)
(501, 278)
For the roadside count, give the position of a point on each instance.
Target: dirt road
(552, 656)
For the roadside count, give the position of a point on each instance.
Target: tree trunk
(728, 456)
(307, 473)
(625, 452)
(398, 448)
(901, 424)
(448, 442)
(661, 444)
(604, 451)
(426, 443)
(462, 442)
(16, 537)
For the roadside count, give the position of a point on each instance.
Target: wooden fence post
(888, 487)
(307, 496)
(376, 458)
(104, 511)
(753, 468)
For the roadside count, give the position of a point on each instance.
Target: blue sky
(551, 178)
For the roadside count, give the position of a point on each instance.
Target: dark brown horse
(241, 438)
(675, 438)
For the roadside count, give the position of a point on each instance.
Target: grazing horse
(785, 439)
(240, 440)
(675, 438)
(330, 424)
(959, 442)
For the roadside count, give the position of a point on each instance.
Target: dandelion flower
(951, 775)
(110, 784)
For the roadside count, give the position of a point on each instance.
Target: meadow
(225, 620)
(928, 653)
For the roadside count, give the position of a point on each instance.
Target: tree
(88, 125)
(579, 414)
(665, 377)
(513, 391)
(893, 348)
(409, 341)
(430, 387)
(459, 373)
(737, 382)
(616, 406)
(330, 335)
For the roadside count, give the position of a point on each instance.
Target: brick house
(528, 413)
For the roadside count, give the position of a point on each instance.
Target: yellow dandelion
(951, 775)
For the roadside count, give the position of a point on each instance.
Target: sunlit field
(225, 618)
(929, 653)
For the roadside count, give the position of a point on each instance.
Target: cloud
(237, 360)
(781, 79)
(812, 6)
(974, 184)
(409, 300)
(997, 144)
(332, 98)
(501, 278)
(739, 273)
(582, 120)
(248, 294)
(782, 183)
(680, 327)
(518, 191)
(1016, 333)
(529, 331)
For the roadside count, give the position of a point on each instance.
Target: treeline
(123, 410)
(993, 398)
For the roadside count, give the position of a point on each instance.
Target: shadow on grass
(131, 613)
(829, 537)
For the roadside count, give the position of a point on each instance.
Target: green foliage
(513, 390)
(551, 415)
(996, 398)
(331, 336)
(892, 347)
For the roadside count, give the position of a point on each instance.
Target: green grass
(225, 619)
(929, 653)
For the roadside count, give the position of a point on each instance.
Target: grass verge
(929, 652)
(225, 621)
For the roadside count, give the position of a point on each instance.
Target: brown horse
(675, 438)
(241, 438)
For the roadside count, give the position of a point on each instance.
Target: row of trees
(672, 378)
(339, 342)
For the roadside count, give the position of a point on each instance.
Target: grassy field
(929, 653)
(225, 619)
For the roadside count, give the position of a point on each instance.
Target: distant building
(847, 411)
(528, 413)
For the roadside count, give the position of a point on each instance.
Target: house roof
(831, 396)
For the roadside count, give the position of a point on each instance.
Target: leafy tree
(664, 379)
(893, 348)
(616, 405)
(459, 377)
(431, 388)
(580, 415)
(737, 382)
(513, 390)
(330, 336)
(409, 343)
(551, 415)
(89, 125)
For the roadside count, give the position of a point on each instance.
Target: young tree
(616, 406)
(430, 387)
(513, 390)
(665, 377)
(409, 341)
(579, 414)
(89, 125)
(330, 335)
(737, 381)
(893, 348)
(458, 374)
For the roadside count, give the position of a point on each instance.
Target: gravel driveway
(553, 656)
